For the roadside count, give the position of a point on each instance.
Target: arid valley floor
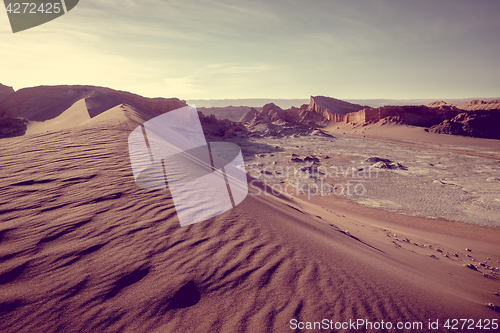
(83, 249)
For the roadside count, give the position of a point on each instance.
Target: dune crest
(75, 115)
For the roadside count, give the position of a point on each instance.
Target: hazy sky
(202, 49)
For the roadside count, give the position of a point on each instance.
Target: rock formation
(249, 116)
(233, 113)
(320, 110)
(47, 102)
(213, 127)
(328, 108)
(481, 124)
(480, 105)
(5, 91)
(11, 127)
(409, 115)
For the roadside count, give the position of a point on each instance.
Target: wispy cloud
(241, 48)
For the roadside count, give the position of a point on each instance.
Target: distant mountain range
(53, 108)
(38, 109)
(473, 118)
(288, 103)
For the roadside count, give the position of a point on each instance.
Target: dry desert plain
(83, 249)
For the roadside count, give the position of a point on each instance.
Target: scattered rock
(493, 306)
(372, 160)
(311, 158)
(482, 124)
(383, 163)
(467, 249)
(11, 127)
(471, 266)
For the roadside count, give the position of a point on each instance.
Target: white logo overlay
(205, 179)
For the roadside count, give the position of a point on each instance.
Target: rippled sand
(83, 249)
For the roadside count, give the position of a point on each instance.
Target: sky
(216, 49)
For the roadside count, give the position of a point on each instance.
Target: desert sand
(74, 115)
(83, 249)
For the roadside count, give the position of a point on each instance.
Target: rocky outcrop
(327, 108)
(47, 102)
(213, 127)
(409, 115)
(270, 113)
(249, 116)
(438, 104)
(233, 113)
(320, 110)
(11, 127)
(476, 105)
(5, 91)
(481, 124)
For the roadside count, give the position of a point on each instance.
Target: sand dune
(75, 115)
(83, 248)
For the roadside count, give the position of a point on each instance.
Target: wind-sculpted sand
(83, 249)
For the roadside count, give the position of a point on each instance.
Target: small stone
(432, 256)
(493, 306)
(496, 294)
(456, 254)
(439, 250)
(471, 266)
(467, 249)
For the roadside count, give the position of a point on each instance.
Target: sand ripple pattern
(83, 249)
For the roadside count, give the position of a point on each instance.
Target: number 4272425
(471, 324)
(33, 8)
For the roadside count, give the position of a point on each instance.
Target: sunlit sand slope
(83, 249)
